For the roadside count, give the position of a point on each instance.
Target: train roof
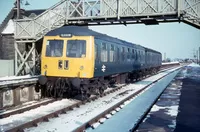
(151, 50)
(84, 31)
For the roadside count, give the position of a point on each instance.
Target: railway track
(23, 81)
(13, 111)
(68, 108)
(99, 119)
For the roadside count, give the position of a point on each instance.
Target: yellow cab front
(68, 56)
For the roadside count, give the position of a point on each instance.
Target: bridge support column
(25, 58)
(179, 8)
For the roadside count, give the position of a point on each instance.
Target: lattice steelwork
(101, 12)
(191, 10)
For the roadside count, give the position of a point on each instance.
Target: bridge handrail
(101, 10)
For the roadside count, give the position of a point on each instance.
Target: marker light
(81, 67)
(45, 67)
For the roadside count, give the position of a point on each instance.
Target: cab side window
(96, 52)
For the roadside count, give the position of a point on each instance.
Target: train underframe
(59, 87)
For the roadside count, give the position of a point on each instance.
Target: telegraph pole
(199, 55)
(164, 57)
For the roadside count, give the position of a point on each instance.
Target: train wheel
(101, 91)
(60, 86)
(37, 87)
(49, 88)
(84, 95)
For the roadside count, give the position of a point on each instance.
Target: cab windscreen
(54, 48)
(76, 48)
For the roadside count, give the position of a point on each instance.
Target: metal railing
(68, 12)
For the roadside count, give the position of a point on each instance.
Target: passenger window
(138, 55)
(118, 54)
(54, 48)
(76, 48)
(133, 56)
(128, 54)
(104, 53)
(112, 49)
(123, 54)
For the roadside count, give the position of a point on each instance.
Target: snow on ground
(77, 117)
(23, 105)
(194, 65)
(18, 119)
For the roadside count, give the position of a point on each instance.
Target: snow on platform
(177, 109)
(169, 63)
(192, 71)
(8, 78)
(17, 79)
(77, 117)
(162, 115)
(188, 119)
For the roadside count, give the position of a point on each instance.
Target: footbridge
(98, 12)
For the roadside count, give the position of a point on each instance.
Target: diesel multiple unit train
(79, 61)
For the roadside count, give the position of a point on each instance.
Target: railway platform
(178, 108)
(188, 118)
